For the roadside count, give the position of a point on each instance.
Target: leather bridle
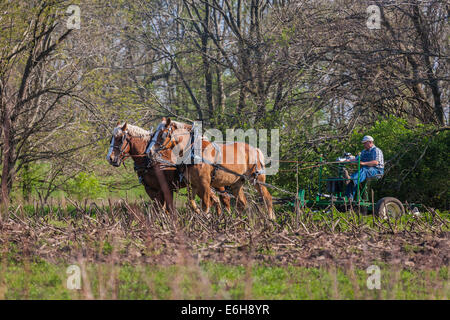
(161, 146)
(122, 155)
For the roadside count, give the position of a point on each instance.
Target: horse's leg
(160, 200)
(154, 195)
(266, 196)
(170, 199)
(238, 191)
(206, 196)
(158, 197)
(217, 203)
(164, 186)
(192, 192)
(225, 199)
(242, 200)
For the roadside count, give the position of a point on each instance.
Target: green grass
(44, 280)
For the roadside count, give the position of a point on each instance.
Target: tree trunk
(206, 65)
(255, 28)
(220, 91)
(26, 182)
(8, 155)
(421, 29)
(241, 104)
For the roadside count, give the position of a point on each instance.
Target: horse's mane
(181, 125)
(133, 131)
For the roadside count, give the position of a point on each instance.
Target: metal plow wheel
(389, 207)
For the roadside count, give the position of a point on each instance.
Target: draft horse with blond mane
(160, 182)
(221, 165)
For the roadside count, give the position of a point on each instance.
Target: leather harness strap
(213, 174)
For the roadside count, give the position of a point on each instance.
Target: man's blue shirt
(373, 153)
(365, 172)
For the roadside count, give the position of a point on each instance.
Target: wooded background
(312, 69)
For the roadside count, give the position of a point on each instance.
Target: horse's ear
(168, 122)
(124, 127)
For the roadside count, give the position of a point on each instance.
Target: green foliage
(32, 176)
(84, 185)
(107, 248)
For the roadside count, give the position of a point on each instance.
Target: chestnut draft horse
(131, 141)
(220, 164)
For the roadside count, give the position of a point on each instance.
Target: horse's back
(237, 153)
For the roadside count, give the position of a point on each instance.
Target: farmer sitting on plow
(372, 164)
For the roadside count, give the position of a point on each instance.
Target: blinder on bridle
(154, 141)
(121, 149)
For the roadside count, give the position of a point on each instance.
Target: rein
(122, 154)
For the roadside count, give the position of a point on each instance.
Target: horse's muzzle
(115, 163)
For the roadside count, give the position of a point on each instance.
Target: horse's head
(120, 145)
(168, 135)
